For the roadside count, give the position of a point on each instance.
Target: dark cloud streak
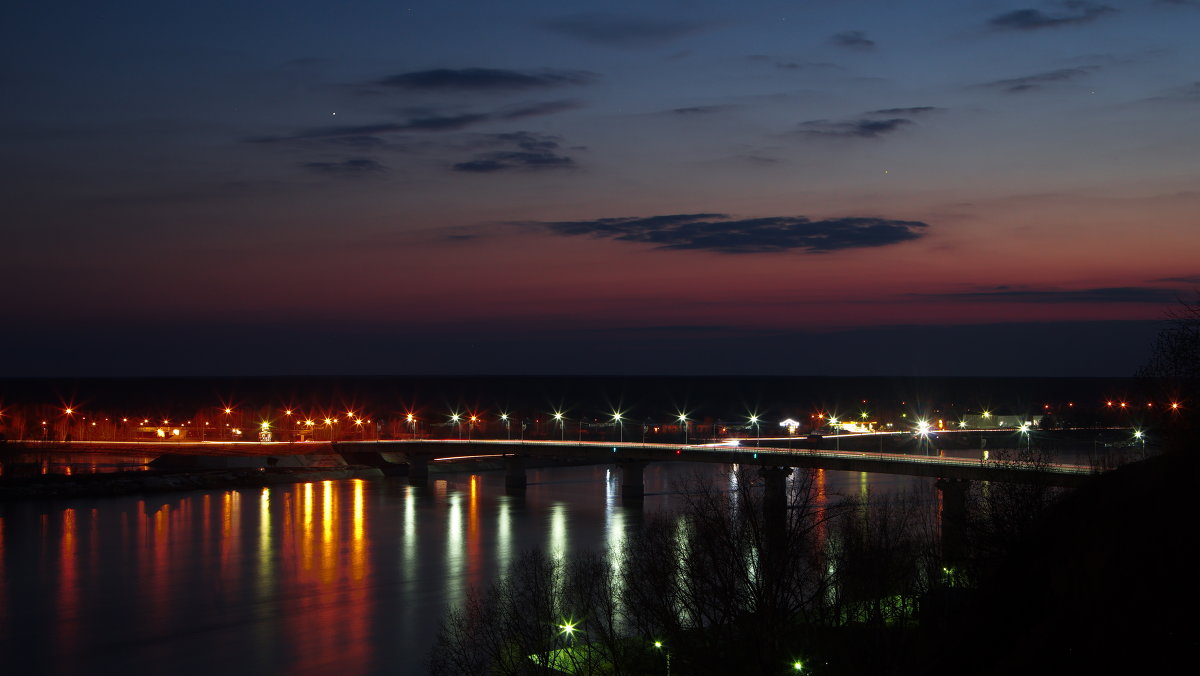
(1073, 12)
(621, 31)
(1115, 294)
(354, 166)
(853, 40)
(525, 151)
(1039, 80)
(420, 121)
(861, 128)
(724, 234)
(485, 79)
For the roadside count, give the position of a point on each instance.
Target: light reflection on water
(349, 575)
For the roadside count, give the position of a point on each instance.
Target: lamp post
(457, 420)
(507, 427)
(757, 429)
(658, 645)
(620, 423)
(412, 425)
(562, 425)
(923, 433)
(684, 420)
(837, 439)
(1141, 436)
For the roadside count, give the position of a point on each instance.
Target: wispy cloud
(485, 79)
(516, 151)
(698, 110)
(1186, 279)
(724, 234)
(419, 120)
(1038, 80)
(857, 40)
(916, 110)
(1069, 13)
(350, 167)
(859, 128)
(1114, 294)
(622, 31)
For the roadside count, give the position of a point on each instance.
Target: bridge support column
(775, 491)
(954, 518)
(633, 486)
(418, 469)
(774, 561)
(514, 475)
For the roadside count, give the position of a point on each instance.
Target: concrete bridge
(633, 457)
(412, 457)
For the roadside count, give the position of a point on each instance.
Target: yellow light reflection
(68, 588)
(328, 547)
(264, 543)
(358, 549)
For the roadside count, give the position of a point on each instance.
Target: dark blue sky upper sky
(544, 176)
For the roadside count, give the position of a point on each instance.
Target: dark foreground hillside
(1106, 584)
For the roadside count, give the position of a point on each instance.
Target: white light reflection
(455, 554)
(503, 535)
(615, 527)
(558, 533)
(610, 492)
(410, 534)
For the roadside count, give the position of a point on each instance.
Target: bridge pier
(514, 475)
(775, 502)
(775, 543)
(774, 490)
(954, 518)
(418, 469)
(633, 485)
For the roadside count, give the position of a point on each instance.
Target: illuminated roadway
(731, 451)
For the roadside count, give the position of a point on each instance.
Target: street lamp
(412, 424)
(837, 439)
(621, 423)
(562, 425)
(658, 645)
(567, 628)
(507, 428)
(1024, 429)
(923, 433)
(684, 419)
(457, 420)
(471, 425)
(757, 429)
(1140, 435)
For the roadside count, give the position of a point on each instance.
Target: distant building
(1000, 421)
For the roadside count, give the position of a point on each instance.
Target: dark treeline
(750, 577)
(643, 396)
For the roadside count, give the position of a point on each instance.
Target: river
(347, 576)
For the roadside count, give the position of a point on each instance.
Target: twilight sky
(854, 186)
